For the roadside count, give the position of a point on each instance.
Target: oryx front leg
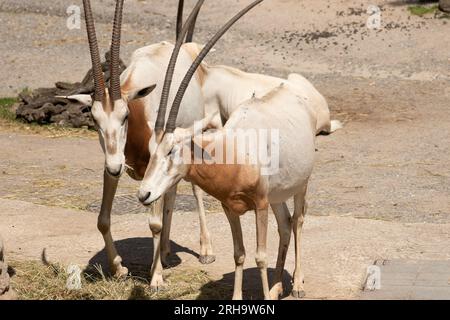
(169, 204)
(283, 217)
(300, 206)
(261, 248)
(206, 252)
(156, 225)
(239, 251)
(104, 225)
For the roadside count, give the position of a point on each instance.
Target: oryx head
(109, 110)
(109, 107)
(168, 165)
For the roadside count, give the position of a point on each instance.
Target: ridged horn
(170, 127)
(180, 17)
(99, 81)
(115, 53)
(190, 34)
(160, 120)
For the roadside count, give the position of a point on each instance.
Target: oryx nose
(143, 196)
(114, 170)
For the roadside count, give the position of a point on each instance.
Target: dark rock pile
(444, 5)
(43, 107)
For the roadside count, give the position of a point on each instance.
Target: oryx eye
(145, 92)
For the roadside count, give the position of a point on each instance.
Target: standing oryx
(243, 186)
(124, 134)
(215, 88)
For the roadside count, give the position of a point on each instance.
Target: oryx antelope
(124, 133)
(242, 187)
(222, 88)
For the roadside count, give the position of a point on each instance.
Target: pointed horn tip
(172, 62)
(170, 126)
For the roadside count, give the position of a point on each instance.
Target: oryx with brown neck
(124, 133)
(242, 186)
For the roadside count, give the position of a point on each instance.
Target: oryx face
(109, 110)
(112, 125)
(166, 167)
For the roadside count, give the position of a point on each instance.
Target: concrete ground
(336, 250)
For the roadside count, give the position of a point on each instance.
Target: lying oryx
(242, 186)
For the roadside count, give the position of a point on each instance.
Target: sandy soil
(389, 163)
(337, 250)
(280, 36)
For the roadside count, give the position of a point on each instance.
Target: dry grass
(33, 280)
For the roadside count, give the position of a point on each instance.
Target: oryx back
(294, 122)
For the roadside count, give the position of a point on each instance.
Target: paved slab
(405, 279)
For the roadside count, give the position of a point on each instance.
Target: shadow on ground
(252, 289)
(137, 255)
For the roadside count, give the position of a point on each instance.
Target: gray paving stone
(408, 279)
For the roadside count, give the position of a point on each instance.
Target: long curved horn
(180, 17)
(115, 53)
(99, 81)
(170, 127)
(160, 120)
(190, 34)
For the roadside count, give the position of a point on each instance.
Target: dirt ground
(381, 185)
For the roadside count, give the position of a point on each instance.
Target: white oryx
(242, 186)
(124, 134)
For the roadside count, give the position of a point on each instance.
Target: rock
(444, 5)
(6, 293)
(42, 107)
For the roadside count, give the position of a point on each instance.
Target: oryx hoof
(157, 284)
(208, 259)
(121, 272)
(298, 294)
(276, 291)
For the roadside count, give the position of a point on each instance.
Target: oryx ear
(84, 99)
(143, 92)
(194, 49)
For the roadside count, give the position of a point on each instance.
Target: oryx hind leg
(283, 218)
(206, 251)
(298, 218)
(262, 216)
(104, 225)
